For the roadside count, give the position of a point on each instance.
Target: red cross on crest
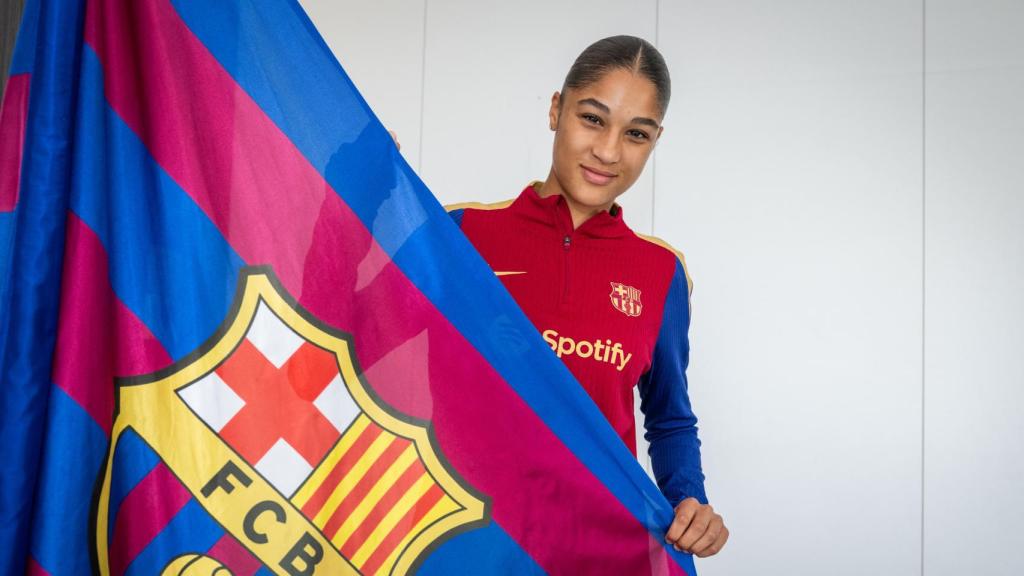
(279, 402)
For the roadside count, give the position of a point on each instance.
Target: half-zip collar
(554, 211)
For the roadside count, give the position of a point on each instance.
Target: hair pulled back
(621, 52)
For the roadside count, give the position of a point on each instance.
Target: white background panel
(792, 179)
(492, 68)
(380, 46)
(974, 452)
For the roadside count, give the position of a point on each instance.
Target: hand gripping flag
(239, 334)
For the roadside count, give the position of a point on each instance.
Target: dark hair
(621, 52)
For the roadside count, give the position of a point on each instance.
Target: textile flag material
(239, 333)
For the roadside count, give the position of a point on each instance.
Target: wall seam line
(423, 90)
(654, 159)
(924, 259)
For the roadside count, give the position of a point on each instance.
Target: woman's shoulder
(659, 244)
(489, 206)
(478, 205)
(458, 211)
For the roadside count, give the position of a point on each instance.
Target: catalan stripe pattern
(372, 495)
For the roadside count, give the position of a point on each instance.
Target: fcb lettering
(304, 554)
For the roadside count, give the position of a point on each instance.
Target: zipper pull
(566, 242)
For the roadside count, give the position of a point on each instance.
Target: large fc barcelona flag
(239, 335)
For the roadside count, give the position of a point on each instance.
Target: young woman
(613, 305)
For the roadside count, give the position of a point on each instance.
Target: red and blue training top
(614, 306)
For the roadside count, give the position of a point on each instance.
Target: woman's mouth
(597, 177)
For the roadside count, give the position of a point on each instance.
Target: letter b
(307, 553)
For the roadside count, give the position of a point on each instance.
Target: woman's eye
(590, 118)
(638, 134)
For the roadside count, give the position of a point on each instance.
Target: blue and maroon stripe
(32, 273)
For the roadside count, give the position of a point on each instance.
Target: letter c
(249, 523)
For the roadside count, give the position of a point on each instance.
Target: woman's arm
(671, 426)
(671, 429)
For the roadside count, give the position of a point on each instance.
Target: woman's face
(604, 133)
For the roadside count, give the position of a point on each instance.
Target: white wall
(974, 432)
(380, 45)
(845, 179)
(795, 188)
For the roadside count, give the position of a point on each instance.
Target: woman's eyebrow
(646, 121)
(604, 108)
(596, 104)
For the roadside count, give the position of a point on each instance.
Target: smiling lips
(597, 177)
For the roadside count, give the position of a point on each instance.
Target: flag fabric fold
(238, 331)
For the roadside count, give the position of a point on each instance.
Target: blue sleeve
(669, 420)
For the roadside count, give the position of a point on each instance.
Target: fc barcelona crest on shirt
(278, 455)
(626, 299)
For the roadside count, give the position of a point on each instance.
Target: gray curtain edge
(10, 18)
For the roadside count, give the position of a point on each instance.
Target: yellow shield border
(151, 407)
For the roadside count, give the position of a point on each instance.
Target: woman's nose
(607, 148)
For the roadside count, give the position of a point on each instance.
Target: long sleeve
(671, 426)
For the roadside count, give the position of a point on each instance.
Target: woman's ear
(556, 101)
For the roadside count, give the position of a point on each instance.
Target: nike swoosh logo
(496, 273)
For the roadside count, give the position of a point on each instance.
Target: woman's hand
(697, 529)
(395, 138)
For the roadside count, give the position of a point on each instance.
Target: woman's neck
(578, 212)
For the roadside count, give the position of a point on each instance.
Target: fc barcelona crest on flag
(626, 299)
(283, 452)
